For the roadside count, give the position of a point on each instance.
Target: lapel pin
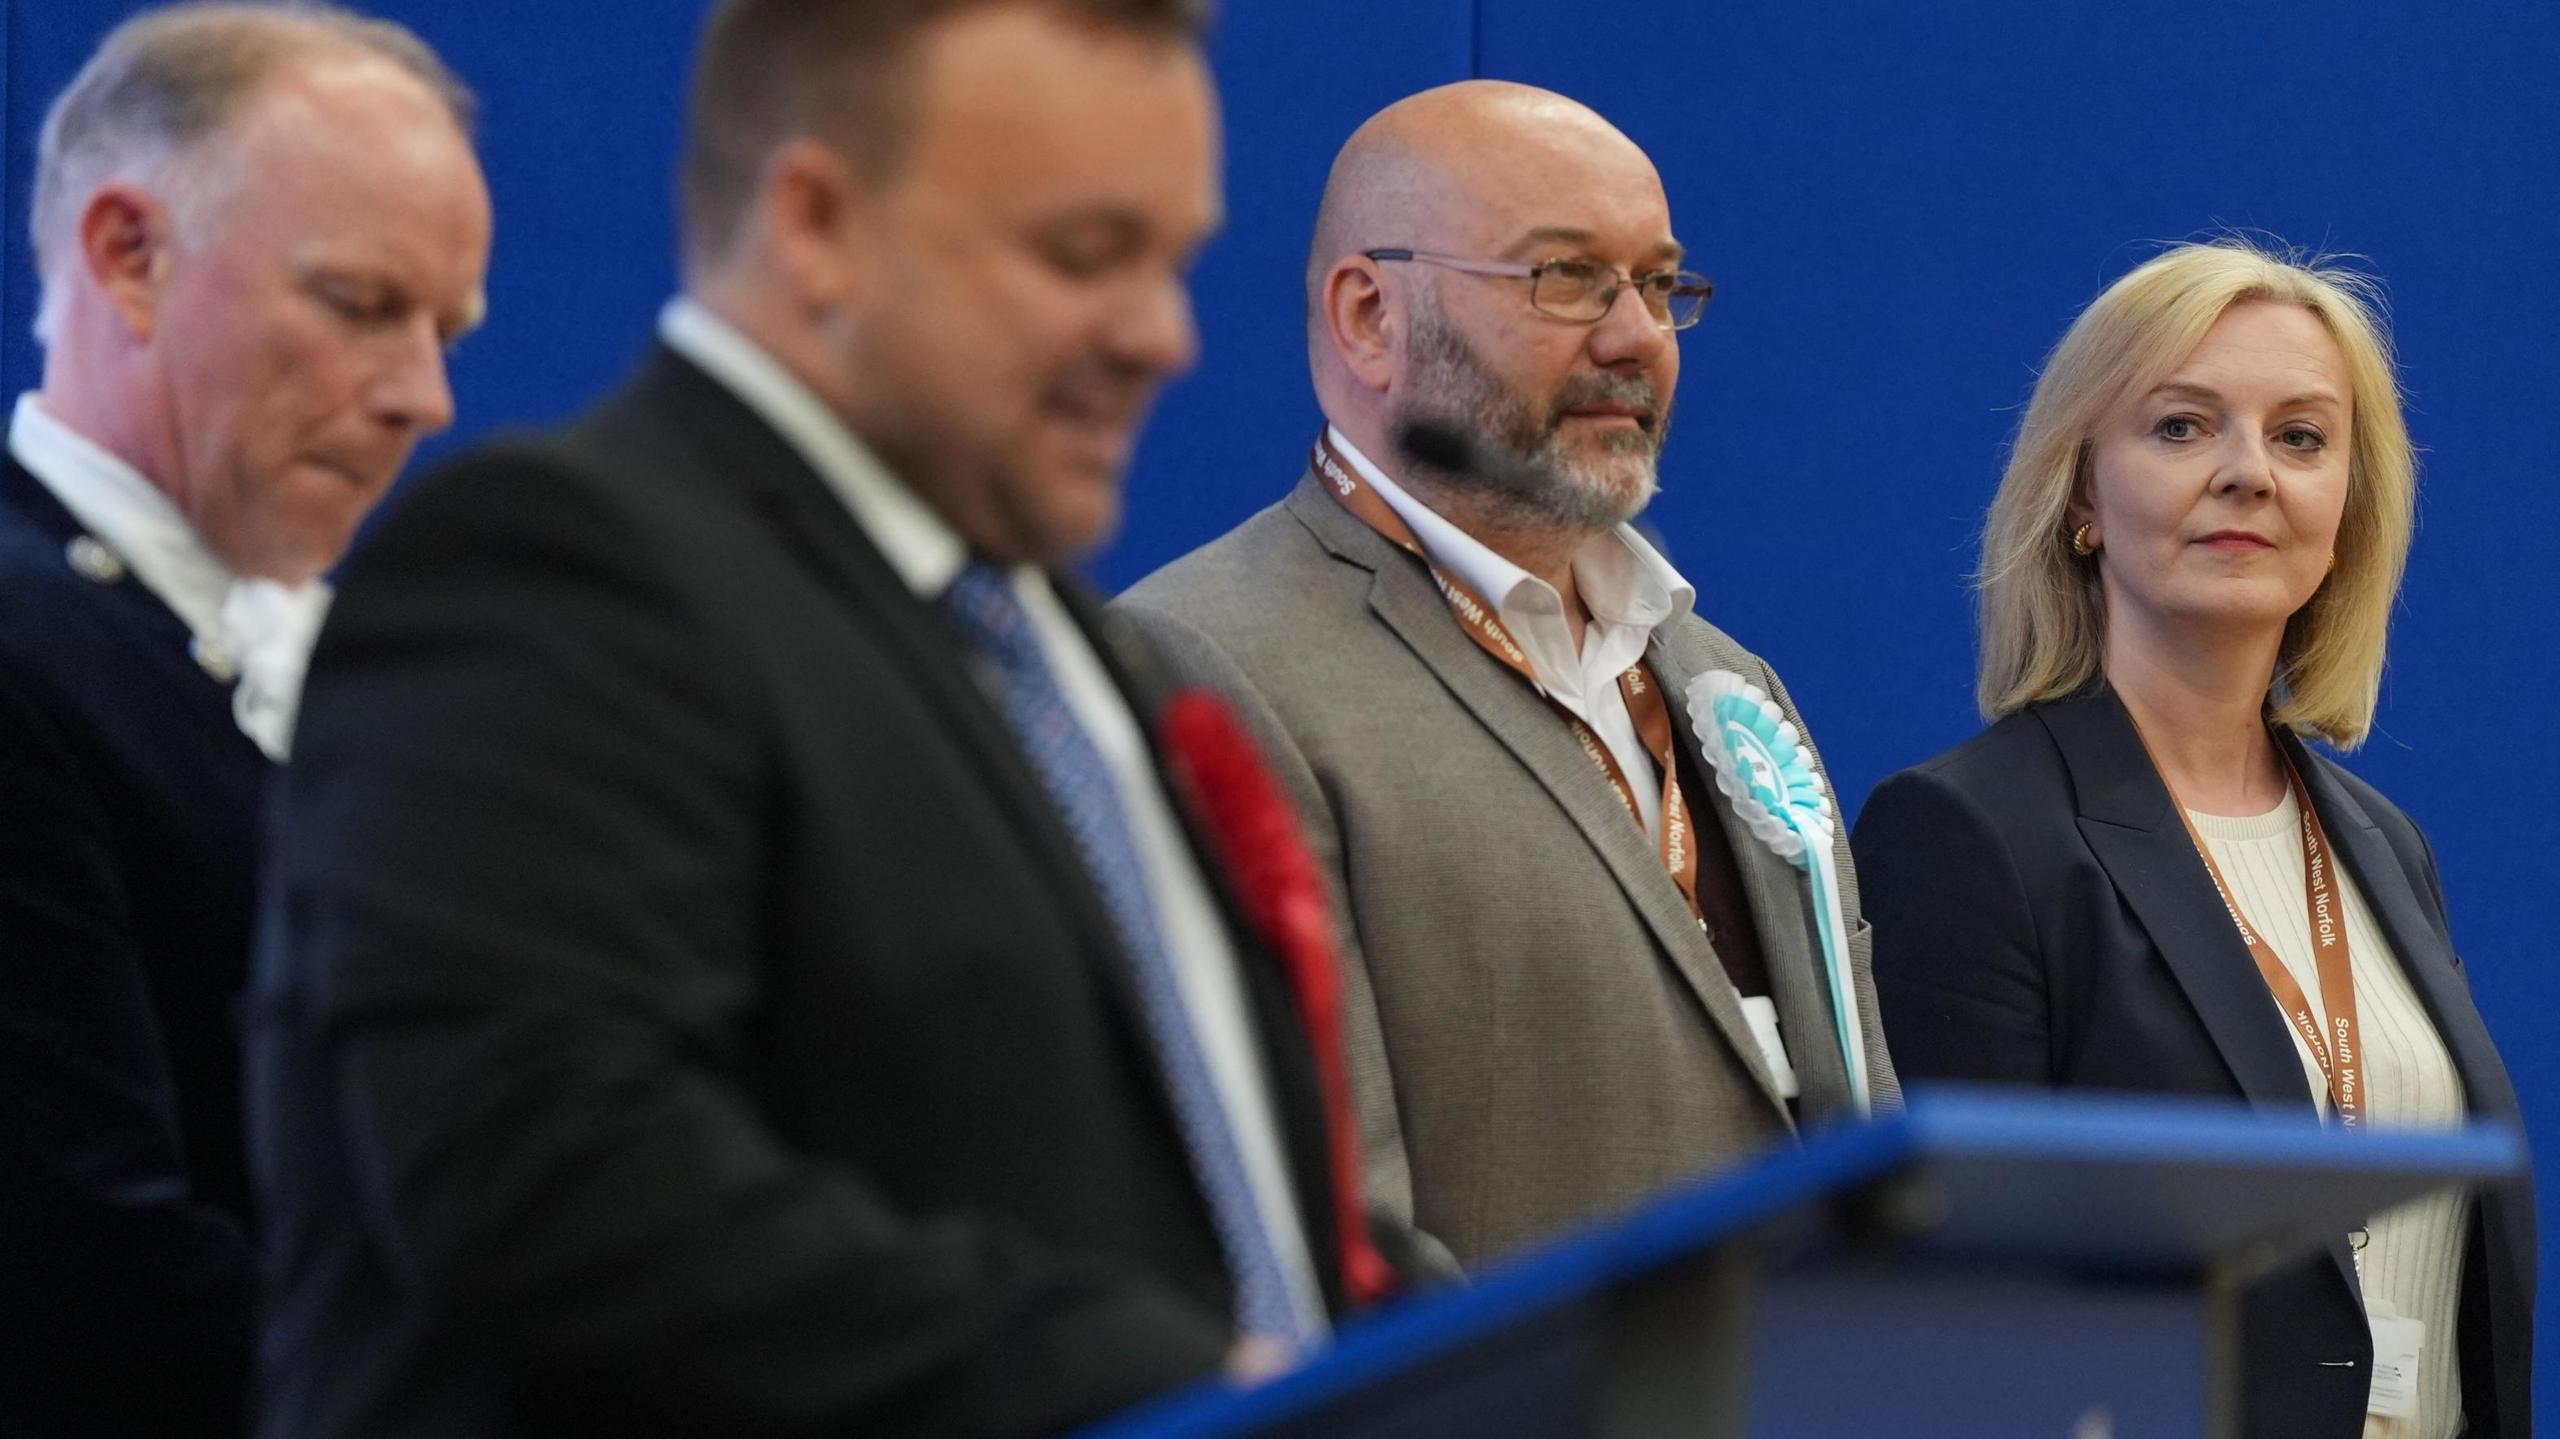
(91, 560)
(215, 659)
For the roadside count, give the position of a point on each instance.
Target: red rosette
(1255, 835)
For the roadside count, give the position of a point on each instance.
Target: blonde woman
(2141, 877)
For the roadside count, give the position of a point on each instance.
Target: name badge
(2397, 1343)
(1762, 1011)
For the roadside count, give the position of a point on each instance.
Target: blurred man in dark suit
(258, 230)
(737, 966)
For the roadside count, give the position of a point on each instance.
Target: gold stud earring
(2080, 542)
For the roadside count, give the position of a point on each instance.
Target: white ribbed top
(2412, 1265)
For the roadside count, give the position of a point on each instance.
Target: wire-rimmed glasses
(1583, 290)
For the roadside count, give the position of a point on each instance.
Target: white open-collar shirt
(1625, 583)
(1630, 591)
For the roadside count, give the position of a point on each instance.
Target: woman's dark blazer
(2041, 917)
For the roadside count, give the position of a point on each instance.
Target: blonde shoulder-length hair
(2043, 615)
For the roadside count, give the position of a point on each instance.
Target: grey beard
(1546, 488)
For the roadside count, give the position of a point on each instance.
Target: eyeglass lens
(1578, 290)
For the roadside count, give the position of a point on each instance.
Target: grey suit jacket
(1540, 1030)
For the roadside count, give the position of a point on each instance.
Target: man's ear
(126, 246)
(1364, 325)
(812, 203)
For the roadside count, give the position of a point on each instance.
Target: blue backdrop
(1901, 206)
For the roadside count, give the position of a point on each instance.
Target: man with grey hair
(1580, 974)
(258, 228)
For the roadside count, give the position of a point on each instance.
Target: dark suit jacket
(681, 1014)
(2042, 918)
(128, 821)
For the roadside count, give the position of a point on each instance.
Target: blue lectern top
(1991, 1177)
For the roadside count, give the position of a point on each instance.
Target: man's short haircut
(769, 70)
(169, 80)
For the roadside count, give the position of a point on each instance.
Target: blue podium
(1984, 1264)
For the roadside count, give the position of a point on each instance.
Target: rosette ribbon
(1766, 772)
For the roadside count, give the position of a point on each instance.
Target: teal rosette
(1766, 772)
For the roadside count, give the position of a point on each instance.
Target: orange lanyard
(2336, 1048)
(1643, 695)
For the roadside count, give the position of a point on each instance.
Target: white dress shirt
(1626, 584)
(928, 555)
(255, 632)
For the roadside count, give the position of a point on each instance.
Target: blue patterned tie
(982, 606)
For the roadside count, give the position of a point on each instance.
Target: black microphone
(1439, 445)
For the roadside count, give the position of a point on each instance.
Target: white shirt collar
(253, 634)
(924, 550)
(125, 512)
(1621, 578)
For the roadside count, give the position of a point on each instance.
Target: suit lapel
(1781, 903)
(2416, 942)
(732, 443)
(1404, 598)
(2127, 818)
(2130, 823)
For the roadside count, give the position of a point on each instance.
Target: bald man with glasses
(1578, 975)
